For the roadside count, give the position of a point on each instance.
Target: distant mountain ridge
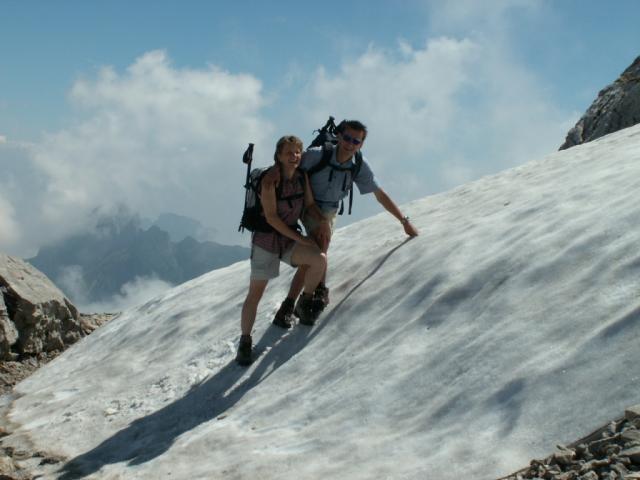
(120, 251)
(617, 107)
(180, 227)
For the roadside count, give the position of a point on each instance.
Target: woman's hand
(307, 241)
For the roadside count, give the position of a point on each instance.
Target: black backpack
(253, 218)
(328, 140)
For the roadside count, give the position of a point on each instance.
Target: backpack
(328, 140)
(253, 218)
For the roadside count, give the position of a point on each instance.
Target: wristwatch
(404, 220)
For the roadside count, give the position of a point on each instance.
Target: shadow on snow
(149, 437)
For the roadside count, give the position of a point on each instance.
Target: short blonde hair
(287, 140)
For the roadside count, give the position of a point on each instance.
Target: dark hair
(353, 125)
(287, 139)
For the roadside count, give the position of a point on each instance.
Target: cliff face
(617, 107)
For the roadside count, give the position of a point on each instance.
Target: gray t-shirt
(329, 188)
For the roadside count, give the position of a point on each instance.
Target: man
(330, 185)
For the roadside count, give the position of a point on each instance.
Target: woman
(282, 210)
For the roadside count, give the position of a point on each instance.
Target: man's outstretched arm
(390, 206)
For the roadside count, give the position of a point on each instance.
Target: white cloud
(161, 138)
(3, 139)
(9, 228)
(155, 137)
(441, 114)
(133, 293)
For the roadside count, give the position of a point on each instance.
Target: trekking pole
(247, 158)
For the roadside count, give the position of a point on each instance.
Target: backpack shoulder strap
(358, 164)
(354, 174)
(327, 152)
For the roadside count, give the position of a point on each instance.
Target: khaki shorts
(310, 223)
(266, 265)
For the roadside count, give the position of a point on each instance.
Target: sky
(509, 326)
(151, 104)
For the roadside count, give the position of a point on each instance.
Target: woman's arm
(323, 232)
(269, 206)
(309, 201)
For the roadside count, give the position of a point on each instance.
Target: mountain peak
(617, 107)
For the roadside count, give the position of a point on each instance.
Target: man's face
(351, 140)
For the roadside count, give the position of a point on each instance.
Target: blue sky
(149, 103)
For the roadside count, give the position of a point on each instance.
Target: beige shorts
(266, 265)
(310, 223)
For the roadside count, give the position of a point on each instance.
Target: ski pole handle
(247, 157)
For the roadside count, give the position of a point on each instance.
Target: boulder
(631, 413)
(8, 332)
(617, 107)
(35, 316)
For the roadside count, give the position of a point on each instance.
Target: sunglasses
(349, 139)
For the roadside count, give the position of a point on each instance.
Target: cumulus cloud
(155, 137)
(9, 227)
(161, 138)
(443, 113)
(20, 184)
(133, 293)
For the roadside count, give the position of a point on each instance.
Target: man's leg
(316, 264)
(298, 279)
(297, 284)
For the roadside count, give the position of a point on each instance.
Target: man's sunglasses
(349, 139)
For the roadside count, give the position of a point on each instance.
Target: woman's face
(290, 155)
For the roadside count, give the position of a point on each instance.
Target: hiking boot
(306, 311)
(244, 356)
(283, 315)
(321, 297)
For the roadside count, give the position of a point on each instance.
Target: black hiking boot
(283, 315)
(321, 297)
(244, 356)
(305, 309)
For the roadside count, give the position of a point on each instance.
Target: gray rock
(632, 453)
(565, 456)
(589, 476)
(37, 316)
(617, 107)
(632, 413)
(8, 332)
(631, 436)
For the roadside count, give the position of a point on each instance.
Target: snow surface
(509, 325)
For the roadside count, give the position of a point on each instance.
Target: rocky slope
(37, 323)
(610, 453)
(617, 107)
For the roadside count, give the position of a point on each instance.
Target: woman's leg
(250, 306)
